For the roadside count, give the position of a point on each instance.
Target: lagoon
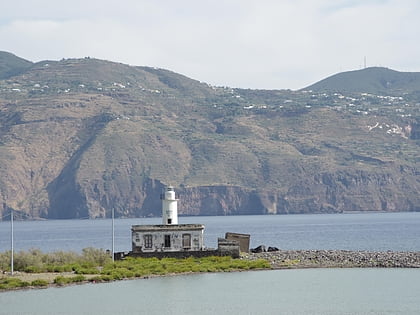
(307, 291)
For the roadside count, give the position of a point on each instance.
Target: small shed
(242, 239)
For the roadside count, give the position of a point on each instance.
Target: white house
(168, 236)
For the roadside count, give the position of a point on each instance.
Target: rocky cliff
(81, 137)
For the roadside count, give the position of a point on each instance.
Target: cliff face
(81, 137)
(322, 193)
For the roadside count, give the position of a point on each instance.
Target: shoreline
(279, 260)
(283, 259)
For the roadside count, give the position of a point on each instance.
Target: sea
(306, 291)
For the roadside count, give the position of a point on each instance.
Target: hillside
(11, 65)
(79, 137)
(375, 80)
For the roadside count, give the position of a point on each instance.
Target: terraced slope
(79, 137)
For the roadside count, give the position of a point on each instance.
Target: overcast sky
(268, 44)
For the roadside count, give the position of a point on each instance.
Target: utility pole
(113, 235)
(11, 243)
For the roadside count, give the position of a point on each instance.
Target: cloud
(265, 44)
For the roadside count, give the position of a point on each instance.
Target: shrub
(33, 269)
(39, 283)
(31, 258)
(259, 264)
(34, 260)
(60, 258)
(116, 275)
(58, 268)
(10, 283)
(5, 260)
(87, 271)
(78, 278)
(95, 256)
(139, 273)
(60, 280)
(105, 278)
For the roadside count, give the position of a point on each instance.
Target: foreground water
(372, 231)
(309, 291)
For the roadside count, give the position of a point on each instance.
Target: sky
(264, 44)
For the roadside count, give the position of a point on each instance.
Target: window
(186, 241)
(148, 241)
(167, 241)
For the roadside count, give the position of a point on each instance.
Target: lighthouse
(169, 237)
(169, 207)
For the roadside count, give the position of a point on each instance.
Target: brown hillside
(82, 136)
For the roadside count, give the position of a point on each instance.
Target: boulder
(259, 249)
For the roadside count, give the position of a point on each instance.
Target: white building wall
(175, 239)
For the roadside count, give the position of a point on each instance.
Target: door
(167, 241)
(186, 241)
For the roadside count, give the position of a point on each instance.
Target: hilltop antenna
(365, 62)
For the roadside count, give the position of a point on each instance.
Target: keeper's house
(169, 236)
(171, 239)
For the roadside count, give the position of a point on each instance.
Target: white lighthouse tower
(169, 236)
(169, 207)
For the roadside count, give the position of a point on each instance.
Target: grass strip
(96, 266)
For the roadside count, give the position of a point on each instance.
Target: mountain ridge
(370, 80)
(79, 137)
(11, 65)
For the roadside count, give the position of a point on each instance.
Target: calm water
(373, 231)
(309, 291)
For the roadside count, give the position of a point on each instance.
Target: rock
(337, 258)
(259, 249)
(272, 249)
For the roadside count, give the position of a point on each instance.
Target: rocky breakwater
(337, 259)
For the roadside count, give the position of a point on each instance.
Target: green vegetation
(60, 280)
(95, 266)
(141, 267)
(35, 261)
(7, 283)
(12, 283)
(39, 283)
